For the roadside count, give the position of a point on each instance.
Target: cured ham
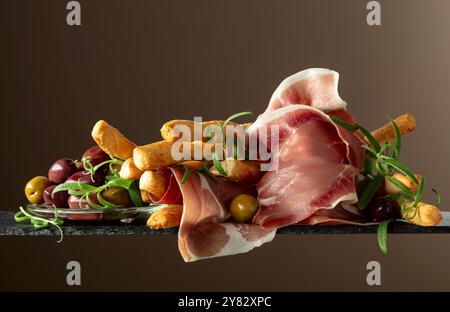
(172, 195)
(336, 216)
(316, 87)
(318, 163)
(205, 231)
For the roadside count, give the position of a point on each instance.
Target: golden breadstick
(154, 183)
(166, 217)
(406, 123)
(194, 164)
(245, 171)
(145, 197)
(159, 154)
(154, 155)
(426, 215)
(129, 170)
(392, 189)
(110, 140)
(168, 134)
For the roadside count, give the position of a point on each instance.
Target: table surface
(8, 226)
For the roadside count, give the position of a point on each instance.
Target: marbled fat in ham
(318, 164)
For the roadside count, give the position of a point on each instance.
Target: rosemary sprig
(39, 222)
(185, 175)
(385, 158)
(382, 235)
(381, 163)
(216, 155)
(85, 191)
(92, 169)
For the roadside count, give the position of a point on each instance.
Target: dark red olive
(382, 208)
(85, 178)
(75, 203)
(59, 199)
(96, 155)
(61, 169)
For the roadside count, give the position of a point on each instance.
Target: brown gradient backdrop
(140, 63)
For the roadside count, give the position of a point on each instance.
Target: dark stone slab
(8, 226)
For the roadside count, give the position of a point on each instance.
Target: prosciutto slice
(172, 195)
(205, 231)
(316, 87)
(336, 216)
(318, 162)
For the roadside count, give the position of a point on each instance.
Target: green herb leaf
(395, 164)
(120, 182)
(206, 171)
(39, 222)
(382, 235)
(216, 162)
(106, 204)
(343, 124)
(419, 193)
(72, 186)
(370, 137)
(77, 193)
(368, 166)
(135, 194)
(87, 187)
(234, 117)
(369, 191)
(438, 197)
(398, 140)
(185, 174)
(92, 204)
(401, 186)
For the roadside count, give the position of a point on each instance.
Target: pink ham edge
(316, 87)
(204, 231)
(326, 160)
(336, 216)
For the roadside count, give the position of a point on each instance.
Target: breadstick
(166, 217)
(392, 189)
(194, 164)
(168, 134)
(245, 171)
(406, 123)
(426, 215)
(145, 197)
(154, 155)
(159, 154)
(154, 183)
(111, 141)
(129, 170)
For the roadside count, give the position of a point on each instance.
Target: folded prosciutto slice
(204, 230)
(318, 163)
(336, 216)
(317, 87)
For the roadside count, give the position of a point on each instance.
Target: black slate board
(10, 227)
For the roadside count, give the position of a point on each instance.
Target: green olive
(115, 169)
(34, 189)
(117, 196)
(243, 208)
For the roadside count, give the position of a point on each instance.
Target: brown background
(140, 63)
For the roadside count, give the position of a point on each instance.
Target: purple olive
(84, 177)
(59, 199)
(382, 208)
(75, 203)
(61, 169)
(96, 155)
